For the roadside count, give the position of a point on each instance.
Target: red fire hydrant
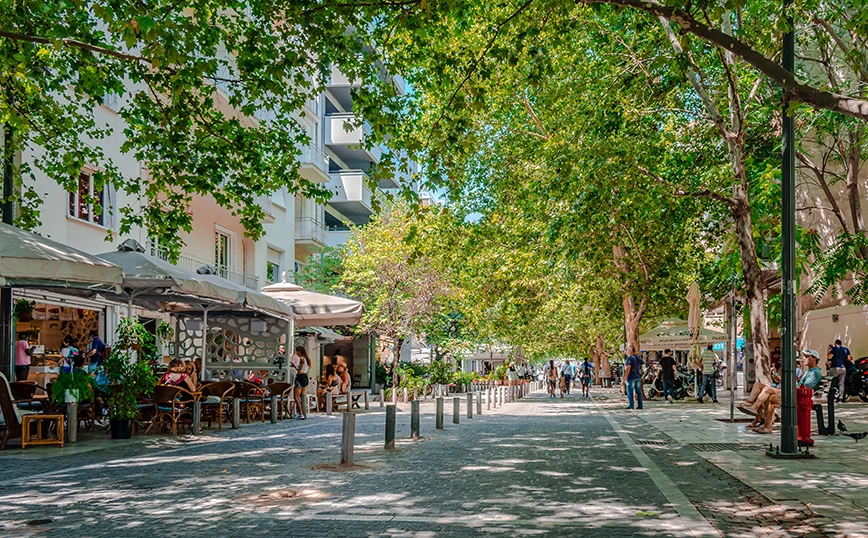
(804, 407)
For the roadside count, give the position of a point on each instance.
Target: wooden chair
(10, 421)
(252, 398)
(214, 410)
(172, 406)
(283, 391)
(24, 395)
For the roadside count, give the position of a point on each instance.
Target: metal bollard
(367, 403)
(305, 404)
(456, 410)
(348, 438)
(382, 397)
(390, 425)
(71, 422)
(488, 400)
(469, 405)
(329, 403)
(196, 422)
(440, 413)
(236, 413)
(406, 395)
(275, 409)
(479, 404)
(415, 422)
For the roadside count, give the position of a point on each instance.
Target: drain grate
(735, 447)
(652, 442)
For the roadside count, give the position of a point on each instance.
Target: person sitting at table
(190, 370)
(177, 376)
(344, 376)
(331, 383)
(206, 374)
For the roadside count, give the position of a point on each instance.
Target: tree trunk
(601, 362)
(755, 289)
(853, 164)
(632, 317)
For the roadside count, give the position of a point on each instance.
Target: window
(111, 101)
(222, 252)
(274, 265)
(87, 204)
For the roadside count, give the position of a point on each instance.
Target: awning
(159, 285)
(675, 334)
(313, 308)
(29, 260)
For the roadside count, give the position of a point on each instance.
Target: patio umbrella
(159, 285)
(676, 334)
(312, 309)
(29, 260)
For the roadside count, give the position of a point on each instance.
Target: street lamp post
(789, 444)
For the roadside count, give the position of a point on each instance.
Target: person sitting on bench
(769, 399)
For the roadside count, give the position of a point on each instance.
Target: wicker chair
(172, 406)
(283, 391)
(252, 398)
(214, 410)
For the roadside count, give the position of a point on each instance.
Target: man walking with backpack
(633, 378)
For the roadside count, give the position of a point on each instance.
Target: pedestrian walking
(838, 357)
(709, 377)
(586, 374)
(668, 372)
(567, 371)
(633, 378)
(551, 377)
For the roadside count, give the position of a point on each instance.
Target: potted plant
(23, 310)
(76, 386)
(129, 379)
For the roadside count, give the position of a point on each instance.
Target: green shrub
(440, 372)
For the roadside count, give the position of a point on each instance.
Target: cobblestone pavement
(537, 467)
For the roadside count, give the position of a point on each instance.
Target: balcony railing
(193, 263)
(309, 229)
(313, 155)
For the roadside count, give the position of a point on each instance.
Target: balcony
(340, 86)
(193, 263)
(351, 195)
(348, 145)
(310, 232)
(314, 164)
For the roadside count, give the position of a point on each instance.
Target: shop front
(54, 317)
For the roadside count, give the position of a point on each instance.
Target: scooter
(856, 382)
(679, 387)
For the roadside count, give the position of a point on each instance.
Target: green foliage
(500, 373)
(130, 379)
(22, 306)
(440, 371)
(206, 96)
(165, 331)
(77, 382)
(462, 378)
(323, 271)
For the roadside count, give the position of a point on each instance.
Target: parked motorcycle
(681, 388)
(856, 383)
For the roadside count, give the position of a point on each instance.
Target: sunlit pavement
(537, 467)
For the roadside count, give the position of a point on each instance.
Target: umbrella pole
(290, 347)
(204, 341)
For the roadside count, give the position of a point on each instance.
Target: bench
(349, 400)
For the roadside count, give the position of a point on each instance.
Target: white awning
(29, 260)
(312, 309)
(675, 334)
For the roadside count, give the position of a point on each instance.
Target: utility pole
(789, 444)
(6, 335)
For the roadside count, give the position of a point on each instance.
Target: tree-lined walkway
(536, 467)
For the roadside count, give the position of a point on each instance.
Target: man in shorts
(586, 375)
